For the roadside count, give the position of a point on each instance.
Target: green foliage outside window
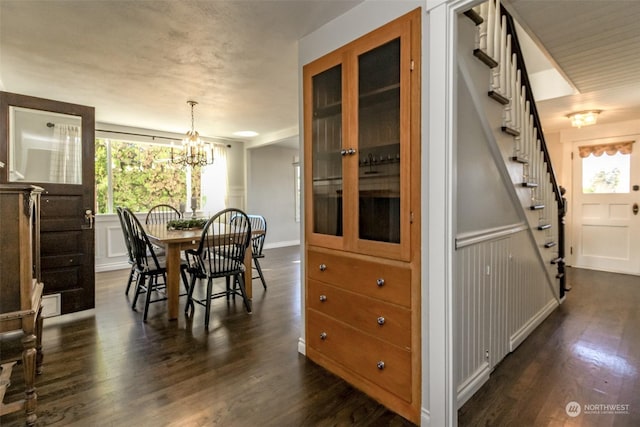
(141, 176)
(604, 181)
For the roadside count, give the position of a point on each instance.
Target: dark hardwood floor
(587, 351)
(105, 367)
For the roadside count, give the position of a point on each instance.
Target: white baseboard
(523, 333)
(281, 244)
(473, 383)
(302, 346)
(425, 417)
(112, 266)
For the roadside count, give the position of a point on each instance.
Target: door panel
(51, 144)
(605, 226)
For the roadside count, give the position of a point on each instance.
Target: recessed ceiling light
(246, 133)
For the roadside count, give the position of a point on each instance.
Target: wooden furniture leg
(39, 355)
(173, 280)
(29, 367)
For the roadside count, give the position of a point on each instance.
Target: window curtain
(66, 158)
(215, 182)
(611, 149)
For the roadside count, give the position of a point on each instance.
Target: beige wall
(554, 145)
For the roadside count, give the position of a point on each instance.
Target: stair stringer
(476, 76)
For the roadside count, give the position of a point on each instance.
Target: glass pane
(606, 174)
(326, 145)
(379, 143)
(44, 147)
(143, 176)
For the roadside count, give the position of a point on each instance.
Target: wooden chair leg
(153, 282)
(208, 303)
(259, 268)
(190, 304)
(139, 286)
(247, 303)
(130, 280)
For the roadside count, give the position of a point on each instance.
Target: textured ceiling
(139, 61)
(595, 44)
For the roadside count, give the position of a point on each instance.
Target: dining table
(176, 241)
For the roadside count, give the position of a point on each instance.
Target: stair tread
(510, 131)
(520, 160)
(482, 56)
(497, 96)
(474, 16)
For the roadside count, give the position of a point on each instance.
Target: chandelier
(195, 152)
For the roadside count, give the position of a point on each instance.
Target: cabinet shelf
(382, 94)
(328, 110)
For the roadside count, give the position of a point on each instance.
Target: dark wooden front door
(51, 144)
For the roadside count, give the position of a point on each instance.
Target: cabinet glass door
(326, 143)
(379, 143)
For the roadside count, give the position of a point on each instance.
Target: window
(606, 173)
(140, 175)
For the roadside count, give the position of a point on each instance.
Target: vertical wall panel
(500, 288)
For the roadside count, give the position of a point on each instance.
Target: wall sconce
(584, 118)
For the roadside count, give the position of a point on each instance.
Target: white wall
(270, 192)
(482, 197)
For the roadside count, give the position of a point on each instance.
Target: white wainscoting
(501, 294)
(110, 250)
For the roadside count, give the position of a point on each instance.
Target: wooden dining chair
(258, 223)
(151, 269)
(161, 214)
(220, 255)
(127, 242)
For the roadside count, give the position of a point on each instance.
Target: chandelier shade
(194, 151)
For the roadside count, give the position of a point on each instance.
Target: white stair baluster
(496, 31)
(490, 24)
(484, 13)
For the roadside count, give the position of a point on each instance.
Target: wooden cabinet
(20, 287)
(362, 202)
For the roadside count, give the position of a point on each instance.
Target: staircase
(497, 46)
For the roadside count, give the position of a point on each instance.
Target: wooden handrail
(515, 46)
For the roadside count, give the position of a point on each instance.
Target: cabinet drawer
(384, 364)
(384, 281)
(388, 322)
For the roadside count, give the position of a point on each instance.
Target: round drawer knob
(323, 298)
(323, 267)
(380, 282)
(380, 365)
(323, 336)
(380, 320)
